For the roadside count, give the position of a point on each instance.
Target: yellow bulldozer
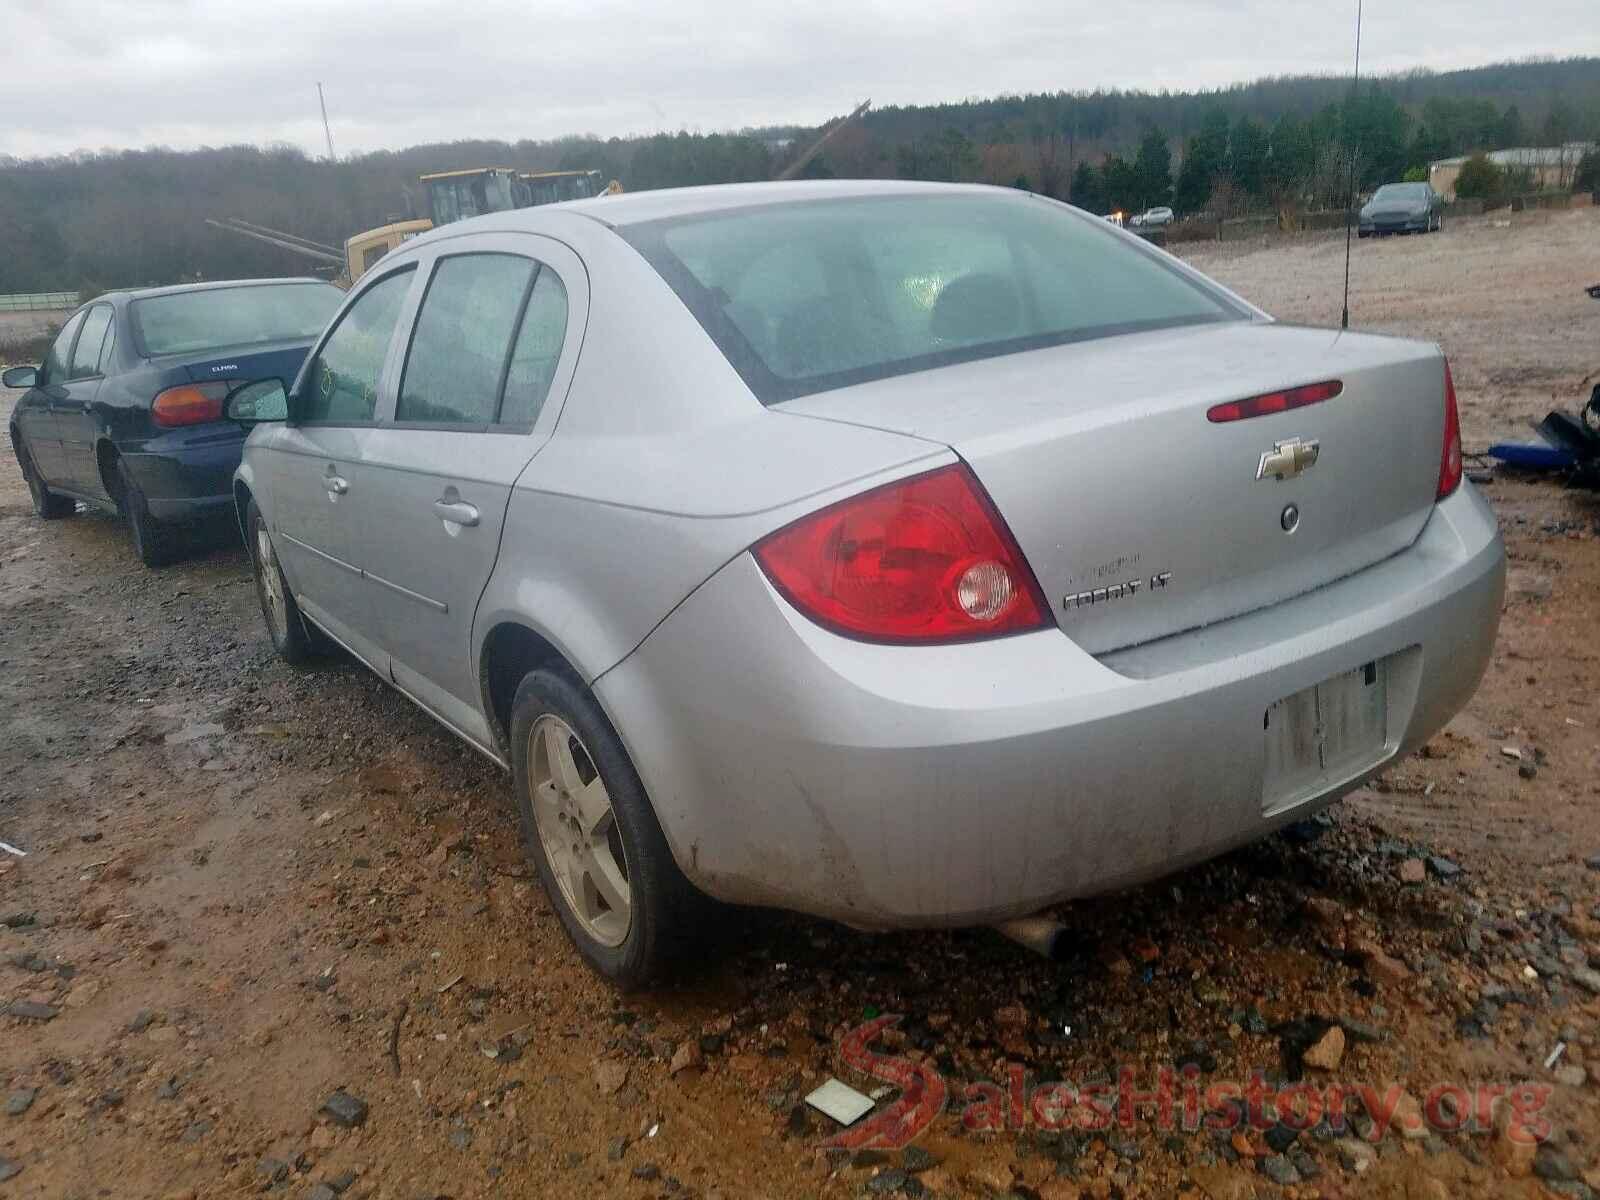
(457, 195)
(452, 196)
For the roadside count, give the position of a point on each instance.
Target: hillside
(137, 217)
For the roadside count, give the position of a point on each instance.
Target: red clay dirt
(247, 885)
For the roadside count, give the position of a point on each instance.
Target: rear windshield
(815, 295)
(217, 318)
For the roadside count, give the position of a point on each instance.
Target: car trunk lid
(1142, 518)
(243, 364)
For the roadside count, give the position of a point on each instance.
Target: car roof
(618, 212)
(633, 208)
(177, 289)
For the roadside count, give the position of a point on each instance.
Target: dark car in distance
(126, 411)
(1402, 208)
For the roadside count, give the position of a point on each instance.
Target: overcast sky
(83, 75)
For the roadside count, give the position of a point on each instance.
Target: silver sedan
(905, 554)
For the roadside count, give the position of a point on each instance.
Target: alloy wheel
(578, 830)
(271, 579)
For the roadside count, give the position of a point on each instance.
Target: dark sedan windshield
(814, 295)
(218, 318)
(1401, 193)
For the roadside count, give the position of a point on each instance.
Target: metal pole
(328, 133)
(1350, 197)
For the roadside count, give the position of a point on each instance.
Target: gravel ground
(250, 888)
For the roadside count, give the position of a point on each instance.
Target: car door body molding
(322, 554)
(438, 606)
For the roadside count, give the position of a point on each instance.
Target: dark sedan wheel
(155, 543)
(46, 504)
(593, 837)
(291, 636)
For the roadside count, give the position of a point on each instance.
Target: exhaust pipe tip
(1045, 936)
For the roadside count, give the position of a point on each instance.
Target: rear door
(35, 415)
(72, 405)
(495, 338)
(322, 504)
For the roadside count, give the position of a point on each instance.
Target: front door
(73, 405)
(492, 341)
(323, 501)
(35, 416)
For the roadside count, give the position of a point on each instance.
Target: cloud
(184, 73)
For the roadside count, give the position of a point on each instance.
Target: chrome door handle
(335, 485)
(457, 512)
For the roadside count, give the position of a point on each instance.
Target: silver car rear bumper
(900, 787)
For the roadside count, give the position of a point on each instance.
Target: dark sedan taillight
(922, 560)
(189, 404)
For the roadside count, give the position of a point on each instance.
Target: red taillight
(925, 559)
(1450, 462)
(189, 404)
(1274, 402)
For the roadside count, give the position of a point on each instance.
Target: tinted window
(463, 334)
(86, 358)
(1402, 191)
(219, 318)
(55, 362)
(342, 384)
(538, 349)
(809, 296)
(106, 346)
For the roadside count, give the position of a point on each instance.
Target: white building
(1549, 166)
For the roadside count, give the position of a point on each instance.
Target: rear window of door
(96, 329)
(459, 350)
(537, 352)
(341, 385)
(487, 340)
(55, 362)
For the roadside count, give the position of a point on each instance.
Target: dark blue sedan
(127, 409)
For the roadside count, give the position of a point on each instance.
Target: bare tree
(1335, 166)
(1050, 170)
(1228, 200)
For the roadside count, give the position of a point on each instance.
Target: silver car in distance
(904, 554)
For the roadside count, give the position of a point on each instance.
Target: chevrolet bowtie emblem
(1287, 459)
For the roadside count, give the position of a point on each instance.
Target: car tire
(575, 846)
(47, 505)
(155, 542)
(295, 639)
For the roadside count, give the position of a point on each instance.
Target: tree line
(135, 218)
(1366, 139)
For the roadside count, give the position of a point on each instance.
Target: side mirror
(263, 400)
(20, 377)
